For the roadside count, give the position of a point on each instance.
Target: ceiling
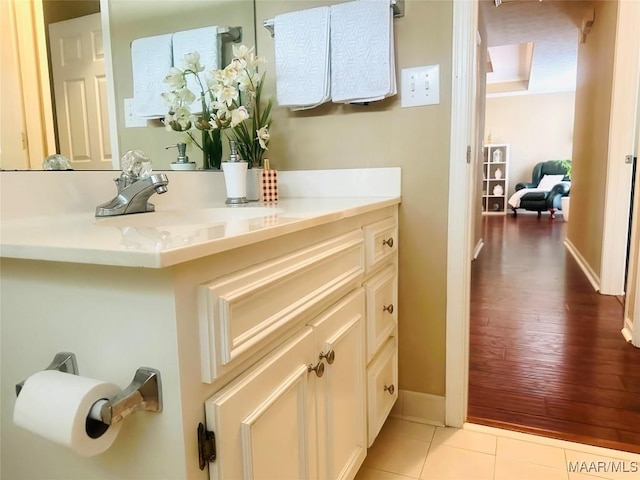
(533, 45)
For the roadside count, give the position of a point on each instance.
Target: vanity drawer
(382, 308)
(245, 311)
(382, 387)
(381, 241)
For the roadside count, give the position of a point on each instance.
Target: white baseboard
(476, 251)
(419, 407)
(584, 266)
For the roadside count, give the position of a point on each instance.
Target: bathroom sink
(201, 217)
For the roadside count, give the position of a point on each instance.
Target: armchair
(541, 197)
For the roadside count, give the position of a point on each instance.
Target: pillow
(549, 181)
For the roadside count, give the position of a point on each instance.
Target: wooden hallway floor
(546, 354)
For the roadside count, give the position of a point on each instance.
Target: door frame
(617, 204)
(461, 180)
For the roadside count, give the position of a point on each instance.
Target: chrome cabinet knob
(318, 368)
(330, 356)
(390, 388)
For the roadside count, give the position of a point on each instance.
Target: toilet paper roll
(56, 406)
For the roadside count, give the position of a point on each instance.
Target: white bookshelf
(495, 174)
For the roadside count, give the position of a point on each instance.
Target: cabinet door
(382, 308)
(382, 387)
(341, 400)
(265, 421)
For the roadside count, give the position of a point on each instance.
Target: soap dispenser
(235, 177)
(182, 162)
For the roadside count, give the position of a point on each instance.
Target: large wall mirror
(105, 134)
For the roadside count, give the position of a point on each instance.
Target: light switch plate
(130, 120)
(420, 86)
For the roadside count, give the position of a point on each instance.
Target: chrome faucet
(133, 194)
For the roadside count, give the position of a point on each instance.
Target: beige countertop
(170, 236)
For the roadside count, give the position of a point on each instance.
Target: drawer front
(382, 387)
(381, 241)
(382, 309)
(248, 309)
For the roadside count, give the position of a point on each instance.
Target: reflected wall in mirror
(122, 21)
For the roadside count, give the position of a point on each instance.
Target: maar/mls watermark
(604, 466)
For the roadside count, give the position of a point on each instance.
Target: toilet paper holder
(143, 393)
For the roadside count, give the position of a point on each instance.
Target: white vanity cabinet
(298, 413)
(239, 336)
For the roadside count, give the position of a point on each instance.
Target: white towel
(362, 58)
(207, 43)
(301, 43)
(151, 60)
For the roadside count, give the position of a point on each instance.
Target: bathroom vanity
(273, 327)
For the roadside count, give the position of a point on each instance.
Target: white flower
(248, 82)
(254, 61)
(263, 136)
(225, 93)
(238, 116)
(242, 51)
(186, 95)
(230, 73)
(175, 78)
(179, 119)
(171, 99)
(192, 62)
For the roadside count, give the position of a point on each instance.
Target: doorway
(458, 345)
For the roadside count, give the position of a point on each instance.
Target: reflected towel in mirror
(151, 59)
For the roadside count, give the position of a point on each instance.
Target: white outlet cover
(420, 86)
(130, 120)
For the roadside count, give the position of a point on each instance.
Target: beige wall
(383, 134)
(538, 128)
(591, 138)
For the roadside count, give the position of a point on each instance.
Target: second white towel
(301, 42)
(362, 58)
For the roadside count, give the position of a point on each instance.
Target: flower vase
(211, 150)
(254, 180)
(235, 180)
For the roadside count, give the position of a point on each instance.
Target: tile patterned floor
(407, 450)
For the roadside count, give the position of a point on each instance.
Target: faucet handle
(135, 164)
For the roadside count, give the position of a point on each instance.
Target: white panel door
(340, 342)
(80, 92)
(265, 422)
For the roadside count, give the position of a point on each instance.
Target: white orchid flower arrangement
(230, 99)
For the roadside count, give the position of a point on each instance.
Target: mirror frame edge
(111, 88)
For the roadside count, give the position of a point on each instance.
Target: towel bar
(397, 5)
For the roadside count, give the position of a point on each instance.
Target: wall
(591, 135)
(383, 134)
(538, 127)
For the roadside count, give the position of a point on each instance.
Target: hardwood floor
(546, 354)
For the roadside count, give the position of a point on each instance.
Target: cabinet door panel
(382, 387)
(382, 309)
(341, 391)
(381, 241)
(265, 421)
